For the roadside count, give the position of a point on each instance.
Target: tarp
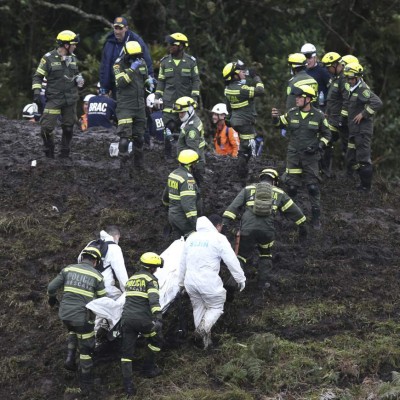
(167, 276)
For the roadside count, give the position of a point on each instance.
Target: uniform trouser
(182, 225)
(83, 338)
(264, 240)
(48, 122)
(359, 150)
(246, 133)
(207, 308)
(301, 166)
(172, 122)
(131, 128)
(130, 329)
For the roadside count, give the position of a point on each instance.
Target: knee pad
(313, 189)
(292, 191)
(123, 145)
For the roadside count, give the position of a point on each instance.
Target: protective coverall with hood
(199, 273)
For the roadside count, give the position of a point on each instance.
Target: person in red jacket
(226, 140)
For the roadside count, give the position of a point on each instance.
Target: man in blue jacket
(113, 48)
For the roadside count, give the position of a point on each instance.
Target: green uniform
(182, 197)
(301, 78)
(62, 96)
(192, 137)
(240, 97)
(82, 283)
(260, 230)
(141, 308)
(130, 110)
(361, 100)
(305, 130)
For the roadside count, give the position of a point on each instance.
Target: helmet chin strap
(188, 114)
(305, 103)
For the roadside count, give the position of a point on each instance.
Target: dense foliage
(261, 32)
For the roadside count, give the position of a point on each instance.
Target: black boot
(315, 218)
(138, 158)
(150, 369)
(67, 132)
(129, 387)
(48, 143)
(86, 384)
(365, 173)
(70, 361)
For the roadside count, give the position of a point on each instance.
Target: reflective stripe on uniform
(177, 177)
(125, 121)
(301, 220)
(229, 214)
(294, 170)
(288, 204)
(267, 245)
(240, 105)
(153, 348)
(174, 196)
(191, 214)
(51, 111)
(71, 289)
(136, 294)
(188, 193)
(85, 336)
(84, 272)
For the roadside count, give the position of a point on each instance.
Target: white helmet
(29, 111)
(220, 108)
(150, 100)
(309, 48)
(88, 97)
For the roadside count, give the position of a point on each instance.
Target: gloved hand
(321, 146)
(252, 144)
(241, 286)
(158, 325)
(151, 84)
(310, 150)
(182, 290)
(136, 64)
(52, 301)
(79, 81)
(36, 99)
(303, 232)
(158, 104)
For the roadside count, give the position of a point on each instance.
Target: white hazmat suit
(199, 274)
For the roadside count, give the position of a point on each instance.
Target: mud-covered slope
(48, 212)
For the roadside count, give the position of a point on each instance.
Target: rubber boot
(243, 169)
(150, 369)
(86, 383)
(48, 143)
(67, 132)
(365, 173)
(138, 158)
(327, 161)
(129, 388)
(315, 218)
(70, 361)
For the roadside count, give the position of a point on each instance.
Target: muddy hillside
(328, 326)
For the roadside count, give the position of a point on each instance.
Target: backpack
(102, 245)
(263, 199)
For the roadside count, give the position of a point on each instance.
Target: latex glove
(79, 81)
(241, 286)
(151, 84)
(136, 64)
(158, 104)
(252, 144)
(53, 301)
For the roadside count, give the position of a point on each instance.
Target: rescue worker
(130, 75)
(336, 104)
(363, 104)
(226, 139)
(155, 125)
(199, 273)
(240, 96)
(81, 284)
(60, 68)
(101, 111)
(178, 77)
(83, 120)
(113, 49)
(142, 314)
(317, 71)
(192, 134)
(298, 68)
(308, 134)
(260, 203)
(181, 195)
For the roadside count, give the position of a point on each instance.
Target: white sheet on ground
(168, 278)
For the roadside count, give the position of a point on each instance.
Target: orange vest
(226, 142)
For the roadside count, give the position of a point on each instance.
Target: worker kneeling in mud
(142, 314)
(261, 202)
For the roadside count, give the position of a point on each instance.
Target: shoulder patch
(192, 134)
(366, 93)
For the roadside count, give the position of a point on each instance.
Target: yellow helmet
(269, 172)
(330, 58)
(188, 157)
(92, 251)
(176, 39)
(67, 37)
(150, 260)
(132, 48)
(297, 60)
(183, 104)
(303, 91)
(232, 68)
(349, 59)
(353, 70)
